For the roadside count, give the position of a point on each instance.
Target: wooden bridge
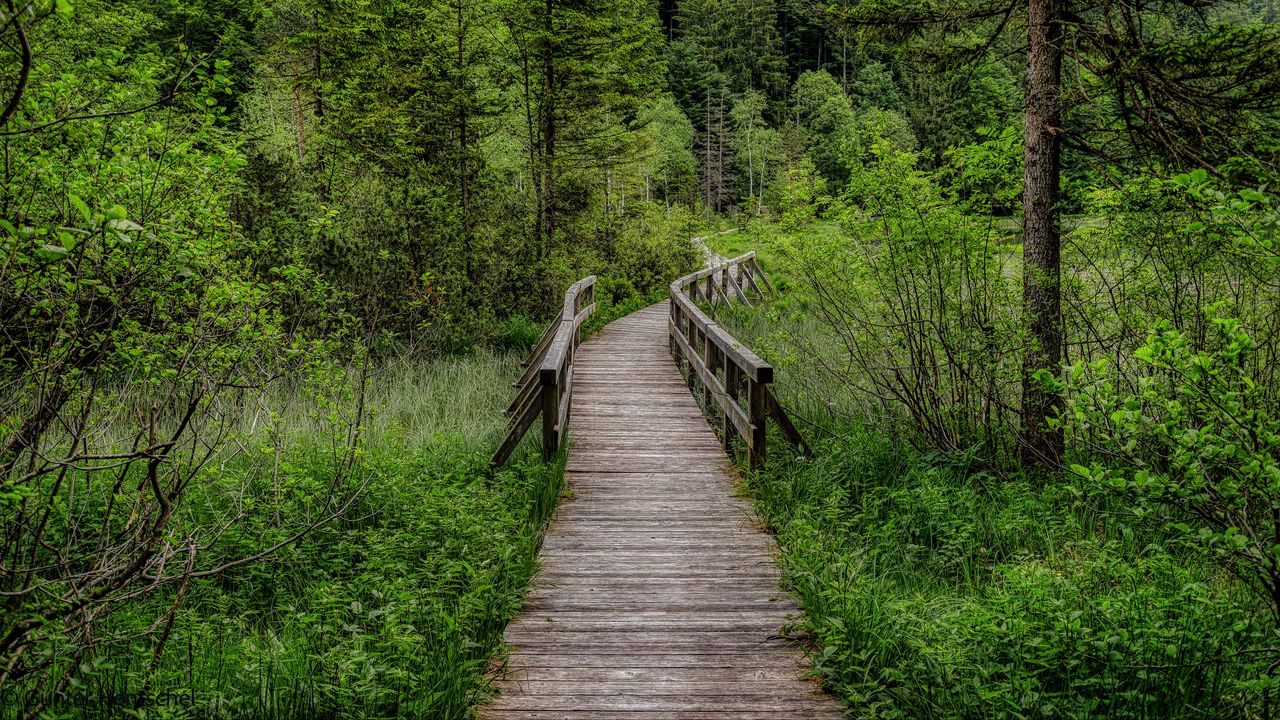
(658, 595)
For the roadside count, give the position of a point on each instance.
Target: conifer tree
(589, 67)
(740, 39)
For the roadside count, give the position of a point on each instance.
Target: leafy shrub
(515, 334)
(934, 591)
(915, 299)
(392, 609)
(1195, 449)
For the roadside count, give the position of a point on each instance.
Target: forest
(270, 267)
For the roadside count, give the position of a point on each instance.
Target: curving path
(658, 595)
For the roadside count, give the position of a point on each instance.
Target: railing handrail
(571, 310)
(736, 364)
(546, 386)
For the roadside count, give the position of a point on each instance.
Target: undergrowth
(938, 584)
(392, 610)
(934, 590)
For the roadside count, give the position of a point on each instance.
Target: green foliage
(1188, 243)
(738, 38)
(935, 587)
(1193, 447)
(393, 610)
(917, 301)
(827, 123)
(942, 581)
(987, 176)
(798, 195)
(936, 590)
(675, 173)
(873, 86)
(131, 305)
(757, 147)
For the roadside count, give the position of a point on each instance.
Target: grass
(935, 591)
(936, 587)
(393, 610)
(772, 249)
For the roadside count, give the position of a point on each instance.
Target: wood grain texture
(658, 595)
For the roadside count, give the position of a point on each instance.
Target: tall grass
(392, 610)
(937, 586)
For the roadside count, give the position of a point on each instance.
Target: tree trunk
(317, 71)
(706, 164)
(1042, 237)
(535, 163)
(299, 123)
(720, 191)
(464, 170)
(549, 127)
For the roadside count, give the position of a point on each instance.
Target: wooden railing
(726, 369)
(546, 386)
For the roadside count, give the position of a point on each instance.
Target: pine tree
(740, 39)
(589, 67)
(714, 151)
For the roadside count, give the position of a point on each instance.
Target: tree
(133, 325)
(827, 122)
(588, 68)
(674, 168)
(873, 86)
(1042, 241)
(1181, 87)
(757, 146)
(957, 108)
(738, 38)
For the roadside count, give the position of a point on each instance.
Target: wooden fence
(732, 377)
(546, 387)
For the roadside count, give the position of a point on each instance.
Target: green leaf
(124, 225)
(52, 253)
(81, 206)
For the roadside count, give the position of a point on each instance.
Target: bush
(936, 591)
(1195, 450)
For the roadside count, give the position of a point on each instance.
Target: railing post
(550, 414)
(756, 416)
(709, 362)
(673, 322)
(731, 381)
(693, 339)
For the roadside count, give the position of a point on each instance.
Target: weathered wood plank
(658, 595)
(676, 701)
(571, 674)
(706, 661)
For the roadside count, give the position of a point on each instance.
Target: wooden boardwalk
(658, 596)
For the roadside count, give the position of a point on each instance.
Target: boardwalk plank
(658, 597)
